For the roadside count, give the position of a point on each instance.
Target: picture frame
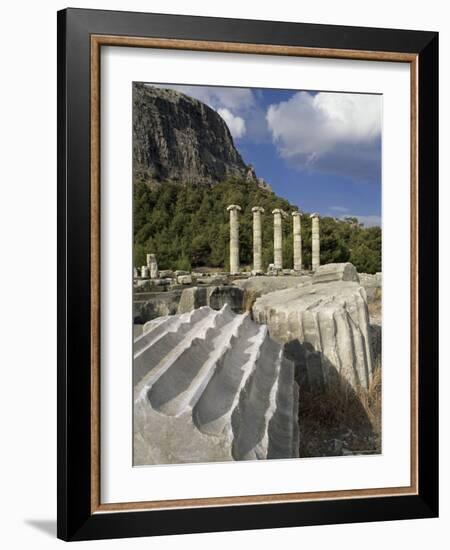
(81, 35)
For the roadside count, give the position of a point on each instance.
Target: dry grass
(340, 421)
(371, 401)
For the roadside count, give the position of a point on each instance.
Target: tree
(188, 226)
(200, 250)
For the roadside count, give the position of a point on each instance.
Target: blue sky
(319, 150)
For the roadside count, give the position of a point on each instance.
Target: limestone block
(166, 274)
(326, 329)
(212, 386)
(218, 296)
(264, 284)
(372, 284)
(192, 298)
(149, 305)
(149, 285)
(152, 265)
(335, 272)
(214, 296)
(184, 279)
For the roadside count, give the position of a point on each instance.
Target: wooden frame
(81, 34)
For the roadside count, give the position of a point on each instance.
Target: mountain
(179, 139)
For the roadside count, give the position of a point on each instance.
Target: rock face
(326, 331)
(177, 138)
(212, 386)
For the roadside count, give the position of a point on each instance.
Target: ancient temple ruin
(278, 216)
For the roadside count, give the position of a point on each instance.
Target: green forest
(186, 226)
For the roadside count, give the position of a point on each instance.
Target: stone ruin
(212, 386)
(150, 270)
(219, 357)
(324, 324)
(278, 215)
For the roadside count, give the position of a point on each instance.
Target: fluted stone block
(212, 386)
(326, 329)
(335, 272)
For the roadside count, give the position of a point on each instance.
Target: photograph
(247, 272)
(257, 273)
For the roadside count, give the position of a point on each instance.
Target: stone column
(297, 232)
(152, 265)
(144, 272)
(257, 238)
(315, 242)
(277, 239)
(234, 210)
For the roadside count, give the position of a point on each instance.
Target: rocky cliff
(180, 139)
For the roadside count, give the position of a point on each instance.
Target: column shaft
(297, 233)
(315, 238)
(257, 238)
(277, 239)
(234, 237)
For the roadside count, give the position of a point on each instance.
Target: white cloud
(236, 124)
(330, 132)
